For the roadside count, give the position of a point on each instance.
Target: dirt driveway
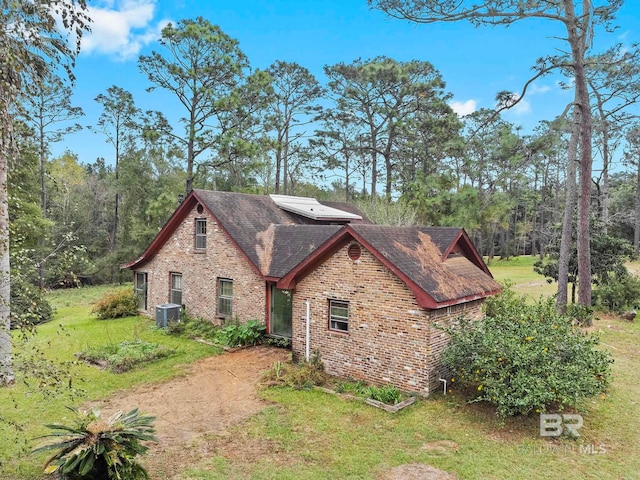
(216, 393)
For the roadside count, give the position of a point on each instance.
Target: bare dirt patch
(216, 393)
(441, 446)
(416, 471)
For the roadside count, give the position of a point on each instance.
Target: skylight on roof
(311, 208)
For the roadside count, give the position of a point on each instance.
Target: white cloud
(121, 28)
(535, 89)
(464, 108)
(523, 107)
(624, 36)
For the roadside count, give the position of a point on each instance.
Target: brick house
(365, 297)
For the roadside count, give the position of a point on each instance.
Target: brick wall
(200, 271)
(438, 339)
(391, 339)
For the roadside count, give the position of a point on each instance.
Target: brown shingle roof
(419, 253)
(244, 216)
(263, 230)
(293, 243)
(440, 265)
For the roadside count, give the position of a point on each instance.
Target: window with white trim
(225, 297)
(140, 289)
(338, 316)
(176, 288)
(201, 233)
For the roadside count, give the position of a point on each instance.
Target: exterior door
(281, 312)
(140, 288)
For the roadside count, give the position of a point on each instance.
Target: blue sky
(475, 63)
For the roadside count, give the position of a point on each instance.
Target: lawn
(24, 409)
(518, 271)
(313, 435)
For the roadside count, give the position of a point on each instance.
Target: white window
(201, 233)
(176, 288)
(225, 297)
(140, 289)
(338, 315)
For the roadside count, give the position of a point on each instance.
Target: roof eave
(165, 232)
(289, 280)
(175, 220)
(433, 305)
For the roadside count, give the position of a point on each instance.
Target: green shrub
(300, 375)
(356, 387)
(278, 342)
(580, 314)
(28, 304)
(619, 294)
(124, 356)
(386, 394)
(96, 449)
(525, 358)
(194, 328)
(121, 303)
(239, 334)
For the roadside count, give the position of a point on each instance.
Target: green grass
(313, 435)
(519, 272)
(24, 409)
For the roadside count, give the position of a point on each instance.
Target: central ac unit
(167, 312)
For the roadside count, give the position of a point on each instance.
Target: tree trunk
(604, 192)
(43, 204)
(190, 158)
(278, 169)
(6, 149)
(347, 178)
(578, 45)
(114, 239)
(569, 206)
(636, 228)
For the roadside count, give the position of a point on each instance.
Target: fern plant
(99, 449)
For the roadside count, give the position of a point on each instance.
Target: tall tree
(293, 105)
(578, 17)
(381, 94)
(202, 67)
(33, 42)
(614, 80)
(336, 144)
(241, 141)
(632, 158)
(118, 121)
(49, 111)
(566, 243)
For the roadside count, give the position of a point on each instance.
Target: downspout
(445, 384)
(308, 333)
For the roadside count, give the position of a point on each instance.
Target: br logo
(554, 424)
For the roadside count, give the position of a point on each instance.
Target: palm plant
(99, 449)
